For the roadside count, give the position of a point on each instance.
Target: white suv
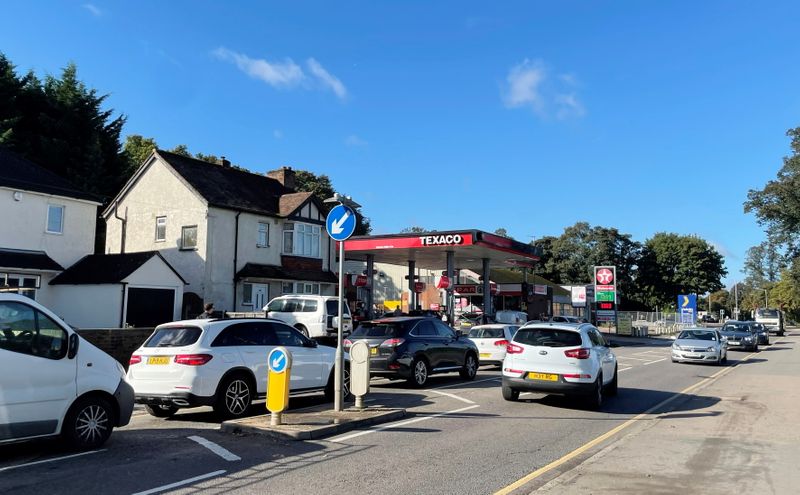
(223, 364)
(313, 316)
(560, 358)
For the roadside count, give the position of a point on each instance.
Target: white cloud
(286, 74)
(326, 78)
(355, 141)
(93, 9)
(277, 134)
(530, 84)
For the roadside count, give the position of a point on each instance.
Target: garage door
(150, 307)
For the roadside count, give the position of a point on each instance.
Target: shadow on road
(631, 401)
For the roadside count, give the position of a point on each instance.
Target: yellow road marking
(605, 436)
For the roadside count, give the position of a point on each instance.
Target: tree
(763, 264)
(183, 150)
(322, 187)
(415, 229)
(137, 148)
(673, 264)
(503, 233)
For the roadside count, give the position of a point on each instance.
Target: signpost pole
(339, 373)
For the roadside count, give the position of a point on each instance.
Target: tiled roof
(290, 202)
(20, 173)
(106, 268)
(30, 260)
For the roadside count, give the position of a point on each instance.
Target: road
(459, 437)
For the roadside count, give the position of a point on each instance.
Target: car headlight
(711, 349)
(747, 339)
(676, 347)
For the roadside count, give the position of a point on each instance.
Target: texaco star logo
(605, 276)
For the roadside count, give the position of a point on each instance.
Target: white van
(53, 382)
(313, 316)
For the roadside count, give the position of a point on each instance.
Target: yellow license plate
(486, 354)
(543, 376)
(373, 350)
(158, 360)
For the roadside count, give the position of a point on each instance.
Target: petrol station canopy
(429, 249)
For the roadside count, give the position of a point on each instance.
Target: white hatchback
(492, 341)
(223, 364)
(560, 358)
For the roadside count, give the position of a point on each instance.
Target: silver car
(700, 345)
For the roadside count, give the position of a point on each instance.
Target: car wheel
(234, 397)
(329, 388)
(595, 400)
(302, 329)
(88, 423)
(755, 348)
(724, 359)
(510, 394)
(613, 386)
(470, 368)
(419, 373)
(161, 411)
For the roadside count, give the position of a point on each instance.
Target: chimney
(284, 175)
(225, 163)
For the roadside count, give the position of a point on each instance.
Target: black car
(762, 332)
(740, 335)
(415, 347)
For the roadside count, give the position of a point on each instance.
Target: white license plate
(692, 354)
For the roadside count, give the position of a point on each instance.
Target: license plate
(692, 354)
(543, 376)
(158, 360)
(373, 351)
(486, 354)
(733, 343)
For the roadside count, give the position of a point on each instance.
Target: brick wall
(119, 343)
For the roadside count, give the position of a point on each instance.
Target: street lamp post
(766, 298)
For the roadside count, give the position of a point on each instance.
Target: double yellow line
(605, 436)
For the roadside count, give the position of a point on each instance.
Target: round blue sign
(341, 222)
(277, 360)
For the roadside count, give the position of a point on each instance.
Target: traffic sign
(341, 222)
(279, 362)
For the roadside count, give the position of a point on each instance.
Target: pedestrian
(208, 313)
(398, 311)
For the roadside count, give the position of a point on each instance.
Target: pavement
(744, 443)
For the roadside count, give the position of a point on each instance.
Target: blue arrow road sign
(277, 360)
(341, 223)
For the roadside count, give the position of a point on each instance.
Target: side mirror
(311, 343)
(73, 346)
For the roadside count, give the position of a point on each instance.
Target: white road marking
(625, 369)
(9, 468)
(656, 361)
(181, 483)
(467, 383)
(217, 449)
(350, 436)
(452, 396)
(628, 357)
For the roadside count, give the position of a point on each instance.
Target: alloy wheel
(92, 424)
(237, 397)
(420, 372)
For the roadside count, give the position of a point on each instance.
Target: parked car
(53, 382)
(740, 335)
(706, 318)
(491, 341)
(511, 317)
(700, 345)
(560, 358)
(223, 364)
(565, 319)
(762, 333)
(313, 316)
(465, 321)
(415, 348)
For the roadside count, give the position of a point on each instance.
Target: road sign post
(279, 363)
(359, 371)
(340, 224)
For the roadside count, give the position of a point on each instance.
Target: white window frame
(306, 239)
(184, 247)
(161, 219)
(60, 230)
(265, 232)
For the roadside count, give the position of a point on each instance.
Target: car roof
(494, 325)
(699, 329)
(556, 325)
(206, 321)
(401, 319)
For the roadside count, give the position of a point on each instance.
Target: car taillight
(392, 342)
(501, 343)
(514, 349)
(135, 360)
(576, 375)
(512, 370)
(193, 359)
(347, 343)
(581, 353)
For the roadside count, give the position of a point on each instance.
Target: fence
(119, 343)
(654, 323)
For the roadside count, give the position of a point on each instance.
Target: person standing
(208, 313)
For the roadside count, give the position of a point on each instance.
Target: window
(443, 330)
(247, 294)
(547, 337)
(263, 235)
(424, 329)
(332, 307)
(246, 334)
(161, 229)
(55, 219)
(309, 306)
(189, 237)
(301, 239)
(27, 331)
(174, 337)
(288, 336)
(19, 283)
(287, 288)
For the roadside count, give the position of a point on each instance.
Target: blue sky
(644, 116)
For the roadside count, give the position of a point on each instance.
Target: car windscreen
(741, 327)
(376, 331)
(486, 333)
(547, 337)
(173, 337)
(697, 335)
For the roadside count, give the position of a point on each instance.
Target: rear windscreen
(174, 337)
(739, 327)
(547, 337)
(374, 331)
(486, 333)
(767, 313)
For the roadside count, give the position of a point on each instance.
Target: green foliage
(503, 233)
(414, 229)
(673, 264)
(137, 148)
(322, 187)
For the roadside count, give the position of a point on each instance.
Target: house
(238, 238)
(46, 224)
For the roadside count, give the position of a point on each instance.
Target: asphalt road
(459, 437)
